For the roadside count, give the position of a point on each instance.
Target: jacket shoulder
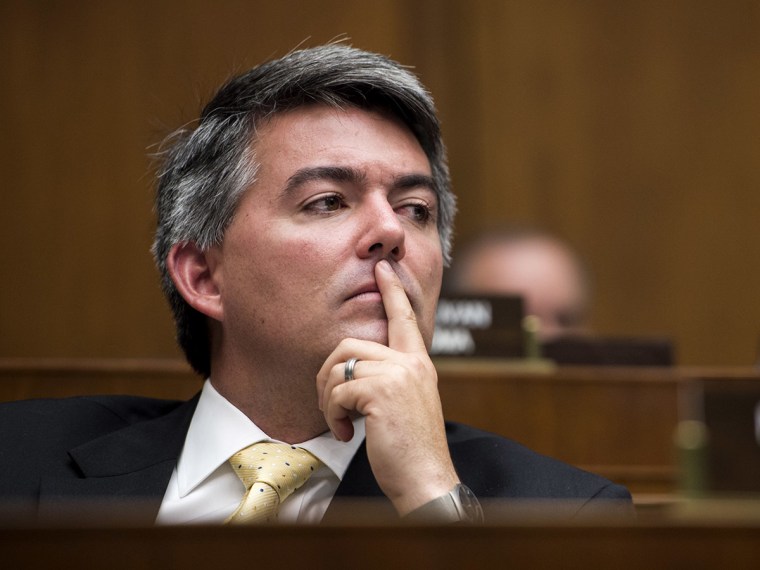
(79, 414)
(41, 432)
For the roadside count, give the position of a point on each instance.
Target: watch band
(459, 505)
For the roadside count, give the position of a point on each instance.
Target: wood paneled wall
(630, 128)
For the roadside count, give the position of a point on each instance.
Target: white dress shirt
(203, 487)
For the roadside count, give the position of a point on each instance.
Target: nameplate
(479, 326)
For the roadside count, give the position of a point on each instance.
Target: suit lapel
(358, 483)
(129, 469)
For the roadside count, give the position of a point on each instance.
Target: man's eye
(331, 203)
(419, 212)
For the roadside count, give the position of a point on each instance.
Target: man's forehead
(319, 138)
(289, 119)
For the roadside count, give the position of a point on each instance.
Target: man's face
(337, 190)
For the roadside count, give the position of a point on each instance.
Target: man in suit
(303, 226)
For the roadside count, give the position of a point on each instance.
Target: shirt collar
(218, 430)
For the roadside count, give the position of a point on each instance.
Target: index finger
(403, 332)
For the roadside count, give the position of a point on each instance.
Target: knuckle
(418, 367)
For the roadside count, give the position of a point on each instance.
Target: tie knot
(284, 467)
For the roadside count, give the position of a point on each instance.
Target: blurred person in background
(545, 271)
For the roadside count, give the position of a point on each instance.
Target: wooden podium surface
(695, 545)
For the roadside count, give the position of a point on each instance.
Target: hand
(396, 389)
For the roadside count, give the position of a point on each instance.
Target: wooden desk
(662, 544)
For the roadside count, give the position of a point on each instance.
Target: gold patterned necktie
(270, 473)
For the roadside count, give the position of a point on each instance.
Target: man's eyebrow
(414, 181)
(315, 173)
(348, 174)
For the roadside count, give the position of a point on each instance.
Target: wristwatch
(460, 505)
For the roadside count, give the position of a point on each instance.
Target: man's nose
(382, 233)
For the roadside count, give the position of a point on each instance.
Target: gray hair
(206, 171)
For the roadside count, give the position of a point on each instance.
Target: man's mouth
(367, 291)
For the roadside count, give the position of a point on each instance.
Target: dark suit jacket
(122, 449)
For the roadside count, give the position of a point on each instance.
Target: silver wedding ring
(348, 370)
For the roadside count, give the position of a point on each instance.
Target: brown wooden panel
(629, 128)
(25, 378)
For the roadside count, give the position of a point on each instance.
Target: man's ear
(194, 276)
